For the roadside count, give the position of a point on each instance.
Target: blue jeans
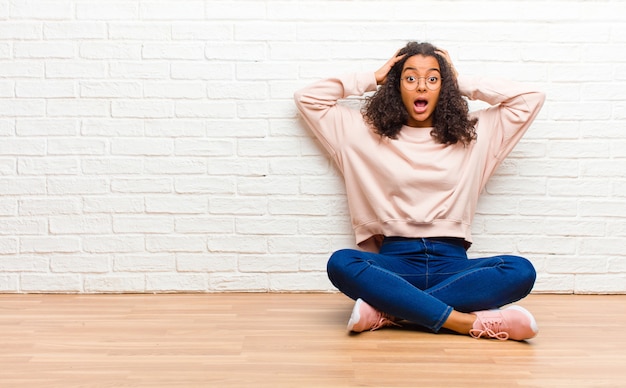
(422, 280)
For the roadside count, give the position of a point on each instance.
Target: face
(423, 74)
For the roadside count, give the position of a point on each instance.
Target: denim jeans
(422, 280)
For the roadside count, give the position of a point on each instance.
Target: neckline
(415, 133)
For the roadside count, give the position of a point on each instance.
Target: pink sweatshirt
(413, 186)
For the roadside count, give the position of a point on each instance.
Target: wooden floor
(292, 340)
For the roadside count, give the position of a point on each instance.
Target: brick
(238, 166)
(142, 109)
(179, 165)
(308, 244)
(77, 108)
(75, 30)
(174, 90)
(59, 50)
(46, 127)
(80, 225)
(22, 69)
(563, 284)
(76, 146)
(22, 186)
(599, 284)
(142, 147)
(255, 205)
(106, 166)
(266, 226)
(113, 204)
(113, 128)
(240, 10)
(144, 263)
(113, 244)
(115, 283)
(212, 185)
(259, 263)
(299, 281)
(175, 243)
(235, 244)
(51, 9)
(203, 147)
(80, 264)
(74, 69)
(51, 283)
(20, 30)
(77, 185)
(206, 109)
(49, 206)
(9, 283)
(8, 207)
(110, 89)
(49, 244)
(205, 30)
(193, 262)
(139, 70)
(252, 282)
(23, 147)
(204, 224)
(141, 185)
(202, 70)
(22, 108)
(174, 128)
(111, 10)
(48, 166)
(176, 282)
(172, 51)
(110, 50)
(22, 226)
(143, 224)
(176, 204)
(180, 10)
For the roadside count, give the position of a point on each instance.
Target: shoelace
(384, 320)
(491, 328)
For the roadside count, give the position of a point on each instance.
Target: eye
(433, 79)
(411, 78)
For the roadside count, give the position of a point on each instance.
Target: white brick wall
(153, 146)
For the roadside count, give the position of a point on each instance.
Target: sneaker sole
(356, 315)
(533, 323)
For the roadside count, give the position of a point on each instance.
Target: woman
(414, 162)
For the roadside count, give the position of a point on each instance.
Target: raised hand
(381, 74)
(446, 56)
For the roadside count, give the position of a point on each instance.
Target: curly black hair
(385, 111)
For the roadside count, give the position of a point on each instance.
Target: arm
(513, 108)
(329, 121)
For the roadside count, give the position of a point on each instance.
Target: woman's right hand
(381, 74)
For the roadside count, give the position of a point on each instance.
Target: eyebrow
(413, 68)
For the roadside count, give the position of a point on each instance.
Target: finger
(443, 53)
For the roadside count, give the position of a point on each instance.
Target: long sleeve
(513, 108)
(331, 122)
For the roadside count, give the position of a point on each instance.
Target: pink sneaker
(513, 322)
(365, 317)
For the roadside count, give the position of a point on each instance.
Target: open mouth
(420, 105)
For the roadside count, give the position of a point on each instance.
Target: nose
(419, 84)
